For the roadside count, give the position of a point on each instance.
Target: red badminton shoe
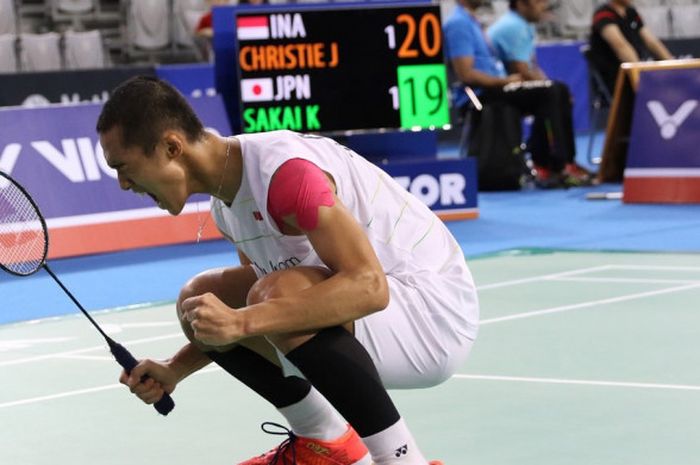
(296, 450)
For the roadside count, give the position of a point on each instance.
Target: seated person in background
(618, 35)
(552, 142)
(513, 38)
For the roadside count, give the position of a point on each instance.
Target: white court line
(89, 349)
(60, 395)
(655, 267)
(626, 280)
(87, 357)
(151, 324)
(679, 387)
(593, 303)
(542, 277)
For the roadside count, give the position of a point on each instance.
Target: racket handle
(128, 362)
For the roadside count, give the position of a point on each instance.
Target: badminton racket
(24, 244)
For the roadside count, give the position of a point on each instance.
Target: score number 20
(428, 22)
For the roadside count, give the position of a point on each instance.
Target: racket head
(24, 239)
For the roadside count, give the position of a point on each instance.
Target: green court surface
(582, 358)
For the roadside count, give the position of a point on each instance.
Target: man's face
(159, 174)
(533, 10)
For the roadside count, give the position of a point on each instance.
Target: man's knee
(197, 285)
(285, 282)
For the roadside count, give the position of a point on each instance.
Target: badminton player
(348, 285)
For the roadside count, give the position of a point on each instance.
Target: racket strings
(22, 235)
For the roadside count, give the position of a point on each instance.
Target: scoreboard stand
(361, 72)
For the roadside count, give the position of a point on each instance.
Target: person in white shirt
(348, 285)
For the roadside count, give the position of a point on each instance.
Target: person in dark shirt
(618, 35)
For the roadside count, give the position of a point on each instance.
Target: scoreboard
(342, 70)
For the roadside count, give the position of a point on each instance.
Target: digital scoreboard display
(342, 70)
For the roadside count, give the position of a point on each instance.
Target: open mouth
(155, 199)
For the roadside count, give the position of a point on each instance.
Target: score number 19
(421, 94)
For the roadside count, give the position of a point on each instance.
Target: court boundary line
(580, 382)
(78, 392)
(625, 280)
(544, 277)
(593, 303)
(475, 377)
(103, 347)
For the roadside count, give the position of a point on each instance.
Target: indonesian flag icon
(252, 27)
(256, 90)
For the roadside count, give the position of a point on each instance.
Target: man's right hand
(515, 77)
(150, 379)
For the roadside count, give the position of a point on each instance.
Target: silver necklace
(202, 224)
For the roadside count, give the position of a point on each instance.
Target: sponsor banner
(663, 159)
(54, 152)
(65, 87)
(194, 80)
(448, 187)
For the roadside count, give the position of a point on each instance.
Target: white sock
(393, 446)
(314, 417)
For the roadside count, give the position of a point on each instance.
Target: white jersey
(411, 242)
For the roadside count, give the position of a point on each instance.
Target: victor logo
(669, 124)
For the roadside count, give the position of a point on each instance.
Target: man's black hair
(144, 107)
(513, 4)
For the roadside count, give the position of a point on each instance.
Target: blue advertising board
(54, 152)
(663, 161)
(448, 187)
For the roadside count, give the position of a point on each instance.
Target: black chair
(600, 100)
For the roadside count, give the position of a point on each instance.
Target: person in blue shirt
(474, 63)
(513, 37)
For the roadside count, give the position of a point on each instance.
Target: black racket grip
(128, 362)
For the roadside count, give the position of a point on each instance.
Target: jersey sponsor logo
(290, 262)
(670, 123)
